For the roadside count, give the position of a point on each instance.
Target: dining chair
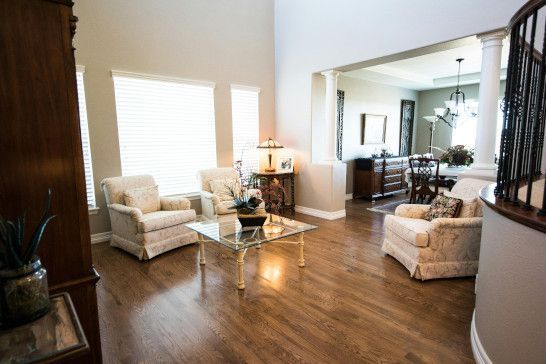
(424, 174)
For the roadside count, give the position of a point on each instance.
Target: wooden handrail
(525, 217)
(524, 11)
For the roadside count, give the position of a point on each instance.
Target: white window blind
(246, 127)
(166, 129)
(86, 147)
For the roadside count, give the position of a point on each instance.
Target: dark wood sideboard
(377, 177)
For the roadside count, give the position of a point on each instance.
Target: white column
(330, 114)
(484, 157)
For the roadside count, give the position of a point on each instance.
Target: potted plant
(24, 294)
(457, 156)
(248, 211)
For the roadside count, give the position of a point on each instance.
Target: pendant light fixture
(457, 99)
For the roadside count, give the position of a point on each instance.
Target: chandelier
(456, 106)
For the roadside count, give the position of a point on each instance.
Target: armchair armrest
(174, 203)
(209, 196)
(133, 212)
(414, 211)
(457, 223)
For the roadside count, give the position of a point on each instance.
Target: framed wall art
(285, 164)
(374, 128)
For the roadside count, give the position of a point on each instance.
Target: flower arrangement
(245, 204)
(458, 155)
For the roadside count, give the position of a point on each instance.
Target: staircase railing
(522, 138)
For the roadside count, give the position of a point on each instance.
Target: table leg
(301, 261)
(201, 250)
(240, 269)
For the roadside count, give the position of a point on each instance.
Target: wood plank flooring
(349, 304)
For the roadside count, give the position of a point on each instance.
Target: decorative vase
(24, 294)
(253, 219)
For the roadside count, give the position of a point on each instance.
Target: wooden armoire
(40, 146)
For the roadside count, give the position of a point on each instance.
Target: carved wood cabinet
(40, 147)
(377, 177)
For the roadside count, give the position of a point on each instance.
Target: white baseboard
(477, 348)
(320, 213)
(101, 237)
(348, 196)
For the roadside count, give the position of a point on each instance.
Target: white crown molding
(163, 78)
(235, 86)
(480, 355)
(101, 237)
(320, 213)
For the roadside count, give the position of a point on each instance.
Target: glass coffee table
(227, 231)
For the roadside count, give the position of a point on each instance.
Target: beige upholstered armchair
(214, 204)
(443, 247)
(157, 229)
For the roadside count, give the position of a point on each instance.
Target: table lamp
(270, 144)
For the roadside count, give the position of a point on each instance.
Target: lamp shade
(430, 119)
(439, 111)
(270, 144)
(450, 104)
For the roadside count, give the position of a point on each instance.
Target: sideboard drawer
(393, 178)
(393, 187)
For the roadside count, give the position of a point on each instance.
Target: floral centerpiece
(457, 156)
(248, 209)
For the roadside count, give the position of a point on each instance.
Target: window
(86, 147)
(246, 127)
(166, 128)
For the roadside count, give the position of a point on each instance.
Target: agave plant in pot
(248, 209)
(24, 294)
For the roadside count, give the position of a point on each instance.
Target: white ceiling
(434, 70)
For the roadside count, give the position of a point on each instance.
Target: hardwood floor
(349, 304)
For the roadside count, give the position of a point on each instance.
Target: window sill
(93, 210)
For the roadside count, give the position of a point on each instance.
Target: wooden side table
(55, 337)
(286, 180)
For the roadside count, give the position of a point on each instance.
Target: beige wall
(311, 39)
(360, 97)
(510, 314)
(430, 99)
(220, 41)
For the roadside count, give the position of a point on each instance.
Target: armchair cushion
(414, 231)
(145, 198)
(163, 219)
(416, 211)
(225, 188)
(174, 203)
(443, 206)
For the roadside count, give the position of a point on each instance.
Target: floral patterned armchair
(213, 204)
(441, 248)
(146, 235)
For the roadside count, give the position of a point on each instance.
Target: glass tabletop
(227, 230)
